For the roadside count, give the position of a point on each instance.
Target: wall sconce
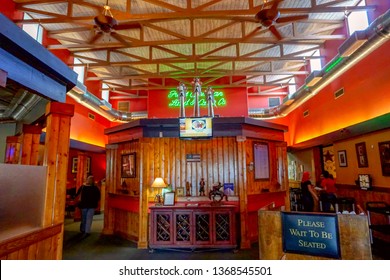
(353, 43)
(251, 166)
(158, 183)
(313, 78)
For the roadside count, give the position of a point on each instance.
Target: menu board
(261, 158)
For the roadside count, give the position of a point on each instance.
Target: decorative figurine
(216, 195)
(197, 91)
(188, 189)
(182, 96)
(210, 102)
(201, 188)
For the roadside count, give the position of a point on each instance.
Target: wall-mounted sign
(193, 157)
(173, 96)
(311, 234)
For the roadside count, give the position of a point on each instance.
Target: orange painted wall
(366, 96)
(348, 175)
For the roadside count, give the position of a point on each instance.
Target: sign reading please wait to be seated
(311, 234)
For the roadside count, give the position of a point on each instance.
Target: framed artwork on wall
(128, 168)
(75, 161)
(342, 158)
(384, 155)
(261, 158)
(361, 154)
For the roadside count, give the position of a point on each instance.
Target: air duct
(89, 100)
(376, 34)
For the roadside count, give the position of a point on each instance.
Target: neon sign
(174, 101)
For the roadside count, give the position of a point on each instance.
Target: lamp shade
(158, 183)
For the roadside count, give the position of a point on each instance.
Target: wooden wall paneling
(30, 144)
(242, 182)
(171, 160)
(13, 148)
(26, 148)
(111, 173)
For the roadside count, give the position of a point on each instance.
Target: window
(105, 92)
(315, 63)
(34, 30)
(357, 20)
(273, 101)
(79, 70)
(124, 106)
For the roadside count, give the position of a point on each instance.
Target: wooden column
(81, 177)
(111, 182)
(30, 144)
(58, 117)
(143, 197)
(12, 152)
(243, 193)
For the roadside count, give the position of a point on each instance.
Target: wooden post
(143, 198)
(243, 193)
(81, 177)
(12, 152)
(111, 184)
(58, 117)
(30, 144)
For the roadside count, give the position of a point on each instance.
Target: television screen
(196, 127)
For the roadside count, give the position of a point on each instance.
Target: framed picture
(384, 155)
(364, 181)
(261, 158)
(180, 191)
(75, 162)
(361, 154)
(169, 198)
(342, 158)
(128, 168)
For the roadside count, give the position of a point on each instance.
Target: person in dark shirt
(89, 200)
(306, 198)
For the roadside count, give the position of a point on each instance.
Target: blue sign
(311, 234)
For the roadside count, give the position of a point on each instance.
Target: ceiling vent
(91, 116)
(306, 113)
(338, 93)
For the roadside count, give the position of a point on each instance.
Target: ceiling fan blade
(275, 5)
(128, 25)
(292, 18)
(276, 33)
(119, 38)
(95, 38)
(252, 33)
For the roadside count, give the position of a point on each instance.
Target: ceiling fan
(105, 23)
(267, 17)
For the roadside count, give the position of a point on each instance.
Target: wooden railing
(41, 244)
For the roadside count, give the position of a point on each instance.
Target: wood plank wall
(222, 159)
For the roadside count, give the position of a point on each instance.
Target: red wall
(7, 8)
(236, 104)
(366, 96)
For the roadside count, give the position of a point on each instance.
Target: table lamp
(158, 183)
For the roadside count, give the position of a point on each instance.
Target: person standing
(89, 200)
(307, 198)
(328, 195)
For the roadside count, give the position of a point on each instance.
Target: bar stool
(345, 204)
